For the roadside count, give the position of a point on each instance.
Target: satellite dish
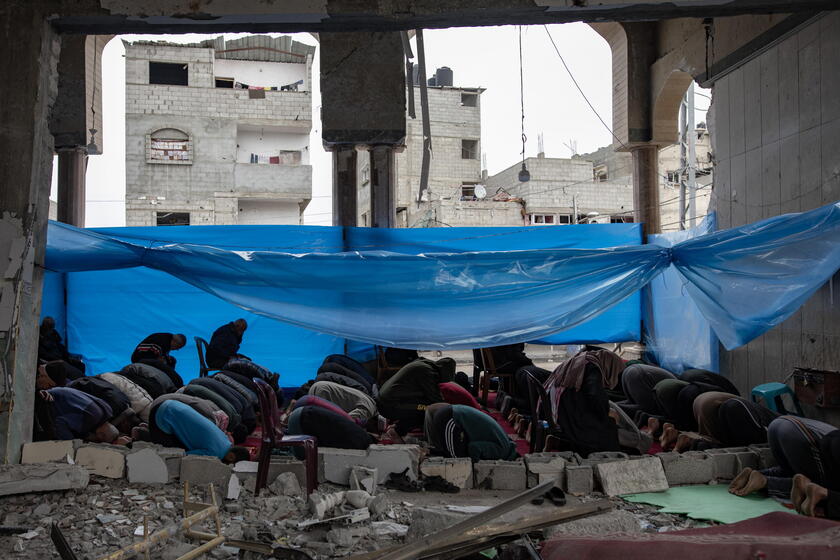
(480, 191)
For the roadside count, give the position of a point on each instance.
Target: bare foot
(814, 494)
(740, 480)
(797, 491)
(684, 443)
(669, 436)
(756, 482)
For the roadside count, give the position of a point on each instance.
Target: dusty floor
(108, 514)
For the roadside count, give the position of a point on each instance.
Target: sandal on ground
(437, 483)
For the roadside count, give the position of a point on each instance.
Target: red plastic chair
(273, 438)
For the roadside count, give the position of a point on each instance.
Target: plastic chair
(488, 368)
(543, 425)
(273, 438)
(771, 394)
(201, 346)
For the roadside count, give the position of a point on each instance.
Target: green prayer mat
(714, 503)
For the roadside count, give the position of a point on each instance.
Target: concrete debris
(147, 467)
(617, 521)
(347, 537)
(21, 479)
(766, 460)
(286, 484)
(458, 471)
(632, 476)
(363, 478)
(500, 475)
(691, 467)
(103, 459)
(234, 488)
(321, 504)
(388, 529)
(54, 451)
(201, 471)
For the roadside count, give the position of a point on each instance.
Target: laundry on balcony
(283, 157)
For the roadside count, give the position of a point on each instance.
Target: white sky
(485, 57)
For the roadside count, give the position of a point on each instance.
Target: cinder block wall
(776, 139)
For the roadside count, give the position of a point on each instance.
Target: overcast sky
(485, 57)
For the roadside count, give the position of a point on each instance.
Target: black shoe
(439, 484)
(556, 496)
(402, 483)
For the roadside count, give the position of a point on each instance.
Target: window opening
(168, 73)
(469, 149)
(173, 218)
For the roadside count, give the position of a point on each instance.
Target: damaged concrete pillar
(344, 185)
(363, 103)
(72, 165)
(31, 56)
(646, 187)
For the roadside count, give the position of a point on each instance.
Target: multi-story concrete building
(455, 121)
(217, 132)
(616, 167)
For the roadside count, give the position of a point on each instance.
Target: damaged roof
(261, 48)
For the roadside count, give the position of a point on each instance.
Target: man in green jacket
(456, 430)
(403, 398)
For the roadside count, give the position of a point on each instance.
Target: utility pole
(574, 209)
(688, 160)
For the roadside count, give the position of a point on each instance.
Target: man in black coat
(154, 350)
(224, 344)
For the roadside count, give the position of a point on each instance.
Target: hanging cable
(524, 175)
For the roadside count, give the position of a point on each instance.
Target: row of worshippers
(148, 400)
(600, 403)
(344, 407)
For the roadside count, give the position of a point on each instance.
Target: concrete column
(646, 187)
(25, 176)
(72, 165)
(382, 192)
(344, 186)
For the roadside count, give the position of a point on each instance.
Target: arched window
(169, 145)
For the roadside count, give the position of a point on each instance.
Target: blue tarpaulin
(110, 310)
(677, 335)
(383, 287)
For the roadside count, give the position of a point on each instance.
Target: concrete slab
(44, 477)
(631, 477)
(766, 459)
(147, 467)
(102, 459)
(726, 464)
(546, 466)
(386, 459)
(53, 451)
(202, 471)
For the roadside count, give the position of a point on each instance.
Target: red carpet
(522, 446)
(772, 536)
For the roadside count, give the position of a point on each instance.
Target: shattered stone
(147, 467)
(579, 480)
(386, 459)
(691, 467)
(202, 471)
(458, 471)
(500, 475)
(347, 536)
(428, 520)
(363, 478)
(546, 466)
(59, 451)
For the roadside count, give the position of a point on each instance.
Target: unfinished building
(218, 132)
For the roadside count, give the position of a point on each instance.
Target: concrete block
(500, 475)
(766, 459)
(691, 467)
(386, 459)
(54, 451)
(745, 457)
(146, 467)
(170, 455)
(286, 484)
(579, 479)
(726, 464)
(630, 477)
(201, 471)
(43, 477)
(458, 471)
(102, 459)
(546, 466)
